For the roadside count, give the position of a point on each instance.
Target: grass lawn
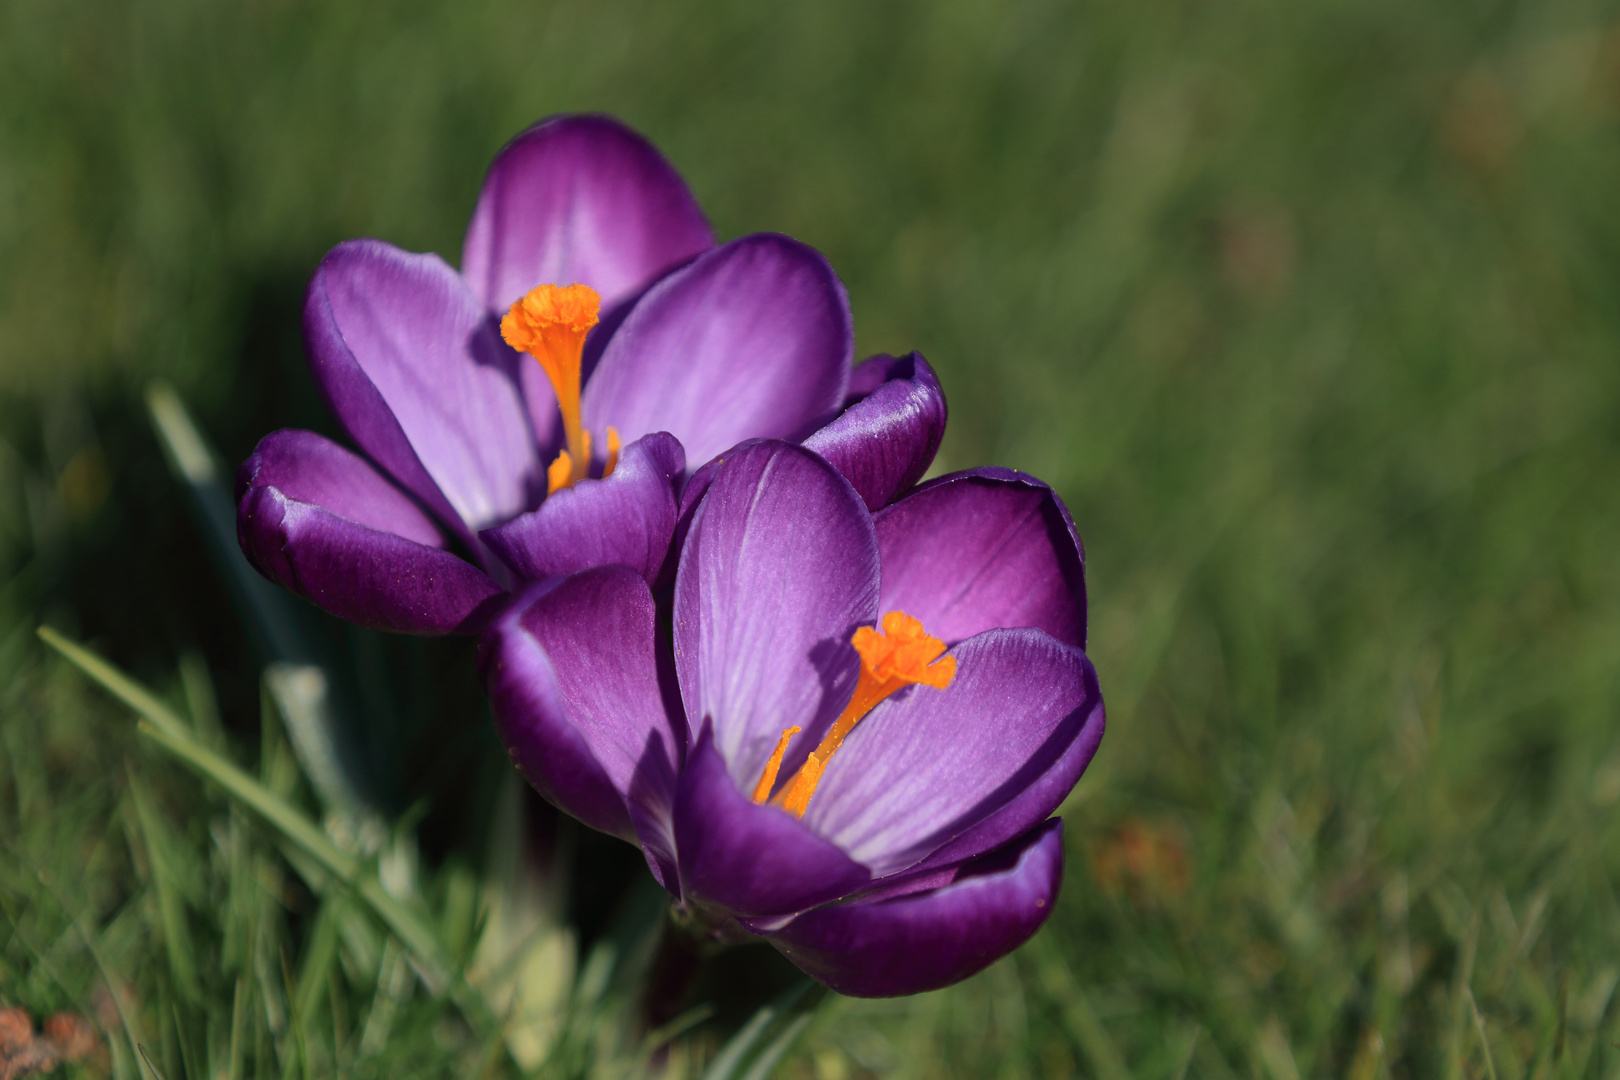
(1311, 312)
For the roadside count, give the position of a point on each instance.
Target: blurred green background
(1311, 312)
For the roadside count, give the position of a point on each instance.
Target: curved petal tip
(579, 199)
(961, 922)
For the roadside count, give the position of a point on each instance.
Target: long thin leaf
(1081, 1019)
(412, 929)
(729, 1063)
(1484, 1039)
(171, 909)
(165, 729)
(729, 1060)
(130, 1021)
(196, 466)
(323, 739)
(770, 1057)
(121, 686)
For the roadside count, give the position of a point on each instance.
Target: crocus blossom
(869, 723)
(646, 350)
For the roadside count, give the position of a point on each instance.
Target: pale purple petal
(310, 468)
(1037, 802)
(411, 364)
(361, 574)
(627, 518)
(573, 682)
(752, 339)
(928, 764)
(923, 941)
(779, 568)
(980, 549)
(886, 438)
(579, 199)
(745, 858)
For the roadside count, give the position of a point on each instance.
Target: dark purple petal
(409, 362)
(310, 468)
(885, 440)
(923, 941)
(980, 549)
(579, 199)
(779, 568)
(752, 339)
(362, 574)
(926, 765)
(572, 679)
(1039, 800)
(746, 858)
(627, 518)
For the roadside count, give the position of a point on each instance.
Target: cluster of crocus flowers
(719, 618)
(455, 497)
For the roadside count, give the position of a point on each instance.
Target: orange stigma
(900, 656)
(550, 324)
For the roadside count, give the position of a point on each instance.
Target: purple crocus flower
(672, 348)
(878, 811)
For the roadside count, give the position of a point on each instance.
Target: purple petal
(926, 765)
(885, 440)
(923, 941)
(746, 858)
(310, 468)
(779, 568)
(359, 573)
(981, 549)
(696, 486)
(579, 199)
(408, 361)
(1039, 800)
(752, 339)
(573, 682)
(627, 518)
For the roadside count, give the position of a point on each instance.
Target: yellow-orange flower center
(903, 654)
(550, 324)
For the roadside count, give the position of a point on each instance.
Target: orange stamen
(560, 473)
(613, 453)
(550, 324)
(902, 655)
(762, 790)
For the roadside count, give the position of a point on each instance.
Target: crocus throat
(900, 656)
(550, 324)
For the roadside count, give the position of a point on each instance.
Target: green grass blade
(171, 907)
(314, 974)
(201, 699)
(151, 1066)
(770, 1057)
(258, 798)
(121, 686)
(239, 1019)
(301, 693)
(729, 1060)
(165, 729)
(728, 1064)
(127, 1019)
(1081, 1019)
(1484, 1039)
(196, 466)
(412, 929)
(321, 735)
